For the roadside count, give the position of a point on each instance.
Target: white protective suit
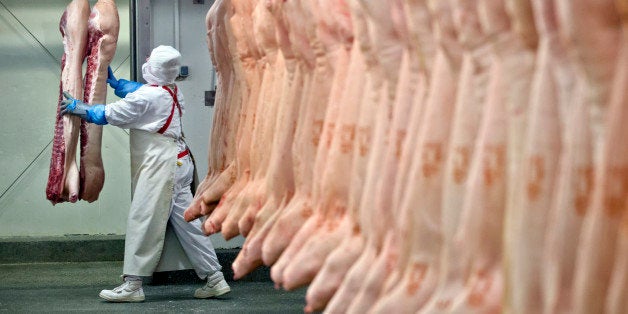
(162, 171)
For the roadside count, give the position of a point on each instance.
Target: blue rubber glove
(90, 113)
(121, 87)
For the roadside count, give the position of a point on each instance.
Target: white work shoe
(215, 286)
(129, 291)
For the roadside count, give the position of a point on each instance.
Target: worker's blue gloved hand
(121, 87)
(90, 113)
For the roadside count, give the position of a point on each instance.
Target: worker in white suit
(162, 171)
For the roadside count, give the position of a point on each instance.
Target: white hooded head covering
(162, 67)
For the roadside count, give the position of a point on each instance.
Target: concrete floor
(74, 287)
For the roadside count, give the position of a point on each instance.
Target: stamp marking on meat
(536, 175)
(584, 186)
(417, 274)
(432, 159)
(460, 163)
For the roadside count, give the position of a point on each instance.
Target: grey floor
(74, 287)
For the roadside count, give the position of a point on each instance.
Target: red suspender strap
(175, 101)
(183, 154)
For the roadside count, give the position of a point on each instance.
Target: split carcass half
(63, 178)
(92, 36)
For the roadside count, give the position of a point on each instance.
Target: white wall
(30, 53)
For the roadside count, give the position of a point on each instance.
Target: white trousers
(197, 246)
